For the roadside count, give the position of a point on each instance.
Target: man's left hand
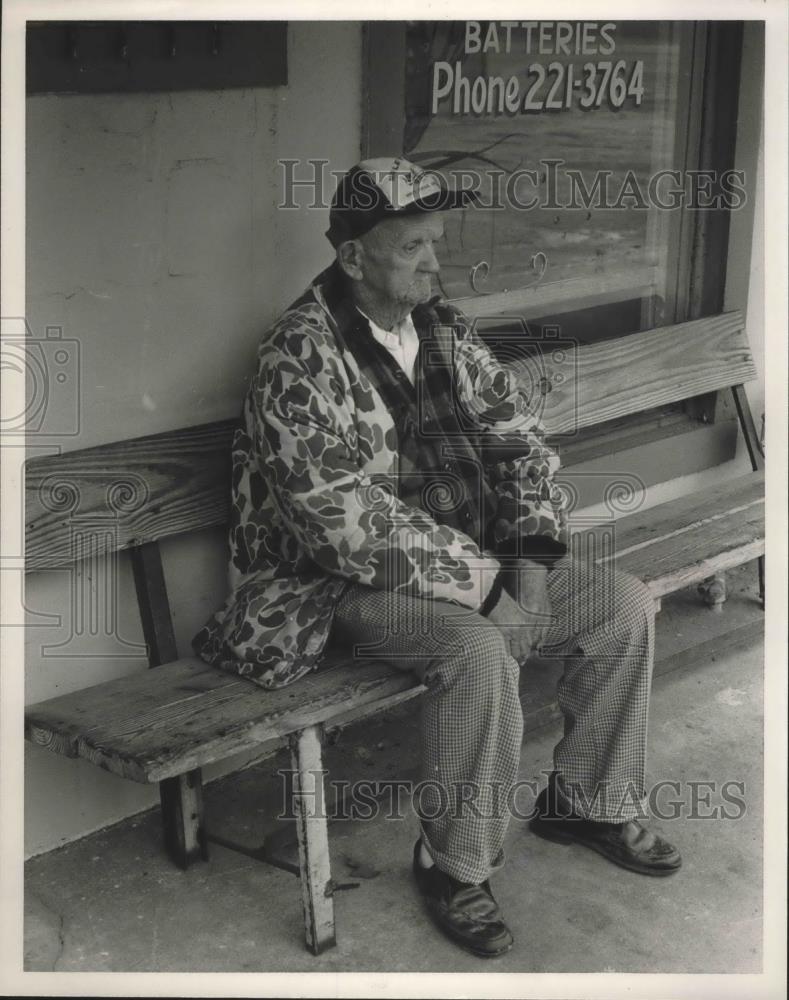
(528, 587)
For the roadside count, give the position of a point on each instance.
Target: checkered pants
(471, 727)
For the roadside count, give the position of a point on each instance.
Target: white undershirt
(402, 342)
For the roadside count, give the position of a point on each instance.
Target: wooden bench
(164, 725)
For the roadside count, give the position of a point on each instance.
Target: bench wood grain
(682, 542)
(615, 378)
(158, 724)
(153, 726)
(143, 490)
(149, 488)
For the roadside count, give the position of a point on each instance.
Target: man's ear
(349, 257)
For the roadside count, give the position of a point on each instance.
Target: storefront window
(576, 136)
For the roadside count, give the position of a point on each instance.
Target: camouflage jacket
(308, 518)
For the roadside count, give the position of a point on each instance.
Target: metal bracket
(332, 887)
(216, 39)
(480, 271)
(256, 853)
(542, 259)
(72, 44)
(481, 265)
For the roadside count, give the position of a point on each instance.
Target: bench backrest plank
(616, 378)
(141, 490)
(129, 493)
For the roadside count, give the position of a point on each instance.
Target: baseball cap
(386, 188)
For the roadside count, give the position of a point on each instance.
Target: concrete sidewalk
(113, 902)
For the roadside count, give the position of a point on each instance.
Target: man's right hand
(516, 625)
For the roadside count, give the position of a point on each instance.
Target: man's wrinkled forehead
(393, 232)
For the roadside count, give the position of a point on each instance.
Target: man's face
(398, 259)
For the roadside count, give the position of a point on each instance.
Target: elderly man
(393, 496)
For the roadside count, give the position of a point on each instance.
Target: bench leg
(713, 590)
(313, 837)
(182, 818)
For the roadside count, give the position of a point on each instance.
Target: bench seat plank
(713, 547)
(683, 515)
(159, 723)
(686, 540)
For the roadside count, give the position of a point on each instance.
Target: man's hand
(513, 625)
(523, 613)
(531, 581)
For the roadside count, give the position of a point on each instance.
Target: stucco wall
(154, 240)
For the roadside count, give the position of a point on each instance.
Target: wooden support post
(313, 836)
(154, 605)
(182, 818)
(183, 823)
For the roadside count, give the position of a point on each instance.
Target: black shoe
(629, 845)
(465, 912)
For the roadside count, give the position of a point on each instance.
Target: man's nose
(429, 261)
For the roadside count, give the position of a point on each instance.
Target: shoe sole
(562, 837)
(467, 947)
